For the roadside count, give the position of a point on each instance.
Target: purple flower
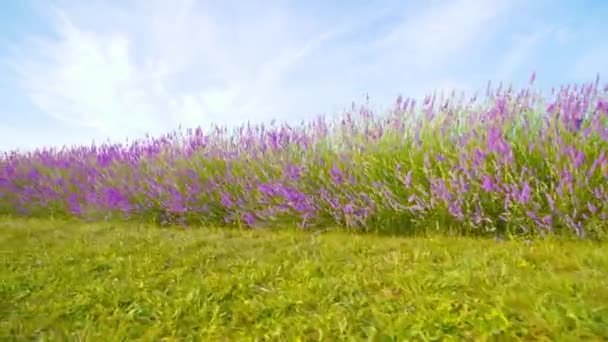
(113, 198)
(249, 219)
(226, 200)
(349, 209)
(407, 180)
(487, 184)
(592, 207)
(602, 106)
(293, 172)
(336, 174)
(33, 174)
(526, 193)
(74, 206)
(532, 215)
(578, 158)
(599, 192)
(455, 210)
(302, 207)
(478, 157)
(439, 189)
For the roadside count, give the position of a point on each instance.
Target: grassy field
(65, 280)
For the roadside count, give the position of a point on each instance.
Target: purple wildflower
(525, 194)
(337, 175)
(249, 219)
(592, 208)
(226, 200)
(487, 184)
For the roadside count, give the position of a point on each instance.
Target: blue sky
(77, 71)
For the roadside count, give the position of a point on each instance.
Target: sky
(74, 72)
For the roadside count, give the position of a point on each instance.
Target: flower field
(513, 162)
(83, 260)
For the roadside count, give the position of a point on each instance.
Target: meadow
(471, 217)
(73, 281)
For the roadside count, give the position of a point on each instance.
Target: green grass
(64, 280)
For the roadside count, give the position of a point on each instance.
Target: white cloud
(165, 63)
(194, 70)
(444, 30)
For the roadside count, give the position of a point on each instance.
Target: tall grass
(514, 162)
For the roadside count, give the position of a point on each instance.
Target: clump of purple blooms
(513, 162)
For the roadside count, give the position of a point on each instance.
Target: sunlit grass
(65, 280)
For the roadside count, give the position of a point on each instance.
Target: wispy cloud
(444, 30)
(181, 65)
(523, 45)
(160, 64)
